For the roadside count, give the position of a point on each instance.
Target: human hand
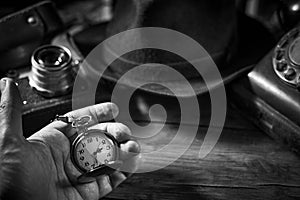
(40, 167)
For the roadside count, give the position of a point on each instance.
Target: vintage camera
(45, 82)
(46, 85)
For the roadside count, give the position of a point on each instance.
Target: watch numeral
(103, 141)
(108, 155)
(86, 164)
(93, 166)
(107, 147)
(105, 161)
(83, 145)
(89, 140)
(81, 158)
(81, 151)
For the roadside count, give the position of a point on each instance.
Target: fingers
(104, 185)
(129, 149)
(116, 178)
(99, 113)
(131, 158)
(118, 130)
(10, 109)
(107, 183)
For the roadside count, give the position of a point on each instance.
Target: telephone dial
(286, 59)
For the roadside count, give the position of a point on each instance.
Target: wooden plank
(265, 117)
(245, 164)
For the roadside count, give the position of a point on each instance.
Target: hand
(40, 167)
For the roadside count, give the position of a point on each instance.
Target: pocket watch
(93, 152)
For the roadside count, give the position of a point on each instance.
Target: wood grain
(245, 164)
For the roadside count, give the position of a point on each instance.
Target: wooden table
(245, 164)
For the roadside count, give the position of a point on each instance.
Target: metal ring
(82, 121)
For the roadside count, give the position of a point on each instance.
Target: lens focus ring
(52, 71)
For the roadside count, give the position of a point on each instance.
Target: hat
(233, 41)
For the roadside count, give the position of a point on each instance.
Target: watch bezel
(81, 136)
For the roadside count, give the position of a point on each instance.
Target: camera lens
(52, 72)
(52, 57)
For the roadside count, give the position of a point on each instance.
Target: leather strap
(23, 31)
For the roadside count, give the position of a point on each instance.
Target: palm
(61, 175)
(59, 180)
(50, 162)
(40, 167)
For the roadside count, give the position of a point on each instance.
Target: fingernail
(134, 147)
(2, 84)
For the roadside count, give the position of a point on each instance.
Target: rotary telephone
(276, 79)
(270, 95)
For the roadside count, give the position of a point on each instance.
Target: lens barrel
(53, 71)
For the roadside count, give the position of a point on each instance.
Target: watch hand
(96, 151)
(96, 161)
(99, 150)
(94, 155)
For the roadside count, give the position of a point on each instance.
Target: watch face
(93, 149)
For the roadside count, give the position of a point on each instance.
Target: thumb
(10, 110)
